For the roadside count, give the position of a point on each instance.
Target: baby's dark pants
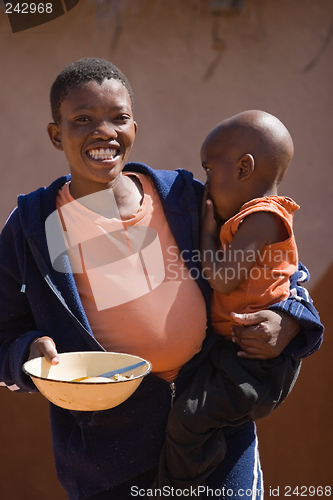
(227, 391)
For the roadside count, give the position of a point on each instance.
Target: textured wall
(274, 55)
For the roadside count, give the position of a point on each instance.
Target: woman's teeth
(102, 154)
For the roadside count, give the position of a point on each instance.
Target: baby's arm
(226, 270)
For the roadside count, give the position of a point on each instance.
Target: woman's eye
(122, 118)
(82, 119)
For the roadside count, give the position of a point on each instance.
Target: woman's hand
(263, 334)
(44, 346)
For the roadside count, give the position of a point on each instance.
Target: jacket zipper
(173, 392)
(47, 277)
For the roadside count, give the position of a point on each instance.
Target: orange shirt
(136, 291)
(267, 281)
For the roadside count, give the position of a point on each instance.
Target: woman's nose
(105, 130)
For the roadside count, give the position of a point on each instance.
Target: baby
(248, 253)
(248, 267)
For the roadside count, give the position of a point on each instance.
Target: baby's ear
(53, 130)
(245, 166)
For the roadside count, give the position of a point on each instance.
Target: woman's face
(96, 133)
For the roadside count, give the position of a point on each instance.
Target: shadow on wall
(296, 442)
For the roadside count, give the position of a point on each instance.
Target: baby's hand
(208, 221)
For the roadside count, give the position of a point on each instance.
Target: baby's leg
(226, 391)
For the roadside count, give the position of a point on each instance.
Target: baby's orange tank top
(267, 280)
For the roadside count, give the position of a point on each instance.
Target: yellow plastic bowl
(58, 383)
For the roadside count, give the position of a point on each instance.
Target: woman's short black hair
(79, 73)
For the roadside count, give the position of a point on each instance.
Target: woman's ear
(245, 167)
(53, 130)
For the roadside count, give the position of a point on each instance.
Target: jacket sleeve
(299, 305)
(17, 326)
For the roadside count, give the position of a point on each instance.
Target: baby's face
(221, 182)
(96, 132)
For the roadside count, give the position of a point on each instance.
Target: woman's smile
(103, 154)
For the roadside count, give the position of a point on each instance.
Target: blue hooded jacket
(98, 450)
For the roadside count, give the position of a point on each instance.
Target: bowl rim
(148, 370)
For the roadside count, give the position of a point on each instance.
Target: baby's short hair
(79, 73)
